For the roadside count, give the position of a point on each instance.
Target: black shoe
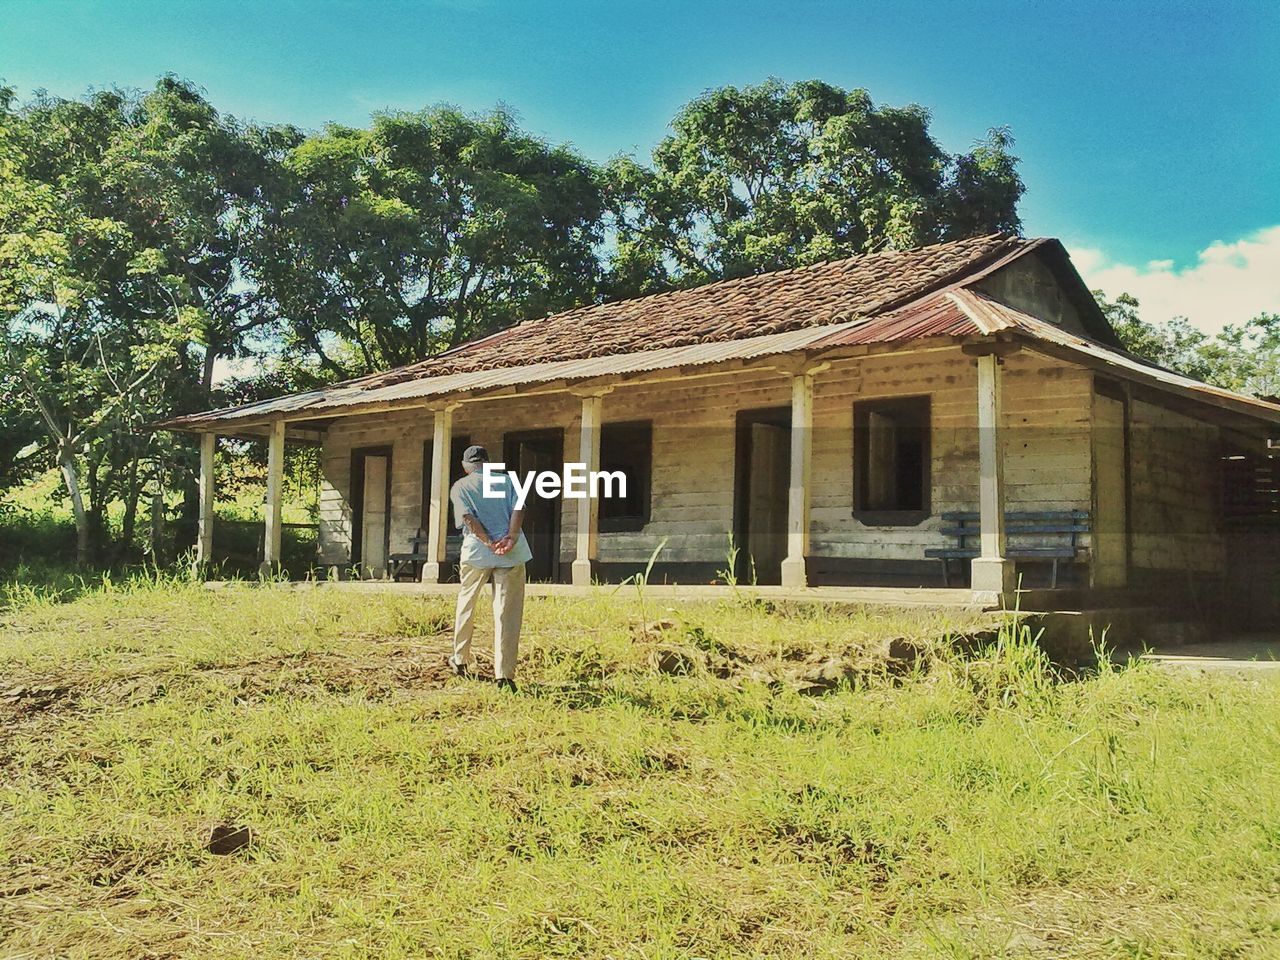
(461, 670)
(505, 684)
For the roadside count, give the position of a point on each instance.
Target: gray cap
(475, 454)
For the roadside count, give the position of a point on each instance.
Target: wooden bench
(411, 562)
(1063, 527)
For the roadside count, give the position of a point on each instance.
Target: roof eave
(1205, 395)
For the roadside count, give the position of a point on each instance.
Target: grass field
(711, 781)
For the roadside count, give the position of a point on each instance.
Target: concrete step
(1072, 636)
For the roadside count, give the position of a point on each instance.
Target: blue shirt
(492, 513)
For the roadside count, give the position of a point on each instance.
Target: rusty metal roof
(932, 316)
(999, 317)
(962, 311)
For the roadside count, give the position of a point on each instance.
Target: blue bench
(1062, 527)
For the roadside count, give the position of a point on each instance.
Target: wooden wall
(694, 440)
(1048, 461)
(404, 433)
(1111, 489)
(1176, 468)
(1047, 464)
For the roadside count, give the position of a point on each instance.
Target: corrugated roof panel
(340, 397)
(932, 316)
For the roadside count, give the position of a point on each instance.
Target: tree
(1244, 358)
(82, 351)
(779, 175)
(423, 231)
(197, 189)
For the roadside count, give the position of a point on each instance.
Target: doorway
(538, 450)
(762, 482)
(371, 508)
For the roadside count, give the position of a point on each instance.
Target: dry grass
(714, 780)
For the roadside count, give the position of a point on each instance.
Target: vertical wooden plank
(588, 514)
(274, 500)
(991, 572)
(1109, 565)
(438, 521)
(204, 530)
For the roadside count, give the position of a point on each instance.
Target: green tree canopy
(425, 230)
(125, 220)
(777, 175)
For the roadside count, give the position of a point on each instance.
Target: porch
(789, 471)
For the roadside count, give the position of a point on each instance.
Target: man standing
(493, 546)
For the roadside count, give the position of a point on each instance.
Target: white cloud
(1228, 283)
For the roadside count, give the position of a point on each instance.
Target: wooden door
(370, 501)
(375, 519)
(760, 494)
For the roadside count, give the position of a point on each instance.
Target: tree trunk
(130, 520)
(206, 370)
(67, 464)
(157, 514)
(96, 512)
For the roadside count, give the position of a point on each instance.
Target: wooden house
(960, 413)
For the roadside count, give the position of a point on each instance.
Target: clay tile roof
(766, 303)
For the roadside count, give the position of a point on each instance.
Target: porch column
(793, 566)
(271, 507)
(588, 507)
(990, 572)
(204, 528)
(438, 516)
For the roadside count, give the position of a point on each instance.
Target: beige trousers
(508, 612)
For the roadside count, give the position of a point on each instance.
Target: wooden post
(272, 506)
(438, 516)
(793, 566)
(588, 507)
(990, 572)
(204, 530)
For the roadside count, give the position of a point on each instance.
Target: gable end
(1045, 284)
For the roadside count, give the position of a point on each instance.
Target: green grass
(939, 805)
(38, 537)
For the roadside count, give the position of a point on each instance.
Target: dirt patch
(379, 672)
(812, 673)
(26, 700)
(677, 649)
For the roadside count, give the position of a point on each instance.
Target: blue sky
(1150, 133)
